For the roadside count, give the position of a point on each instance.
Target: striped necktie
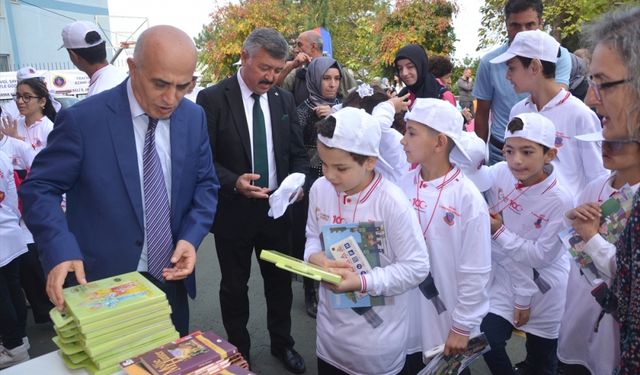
(156, 206)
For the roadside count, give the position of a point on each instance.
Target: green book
(295, 265)
(116, 334)
(138, 335)
(100, 299)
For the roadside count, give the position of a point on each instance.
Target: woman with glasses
(37, 114)
(614, 91)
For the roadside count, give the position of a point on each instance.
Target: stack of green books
(109, 320)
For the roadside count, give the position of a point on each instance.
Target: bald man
(293, 76)
(135, 163)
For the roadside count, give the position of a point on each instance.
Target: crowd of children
(471, 248)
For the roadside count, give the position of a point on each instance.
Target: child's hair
(516, 124)
(368, 103)
(40, 89)
(440, 66)
(327, 126)
(548, 68)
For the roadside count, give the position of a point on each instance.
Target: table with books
(122, 325)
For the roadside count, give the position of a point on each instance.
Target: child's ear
(550, 155)
(370, 163)
(536, 66)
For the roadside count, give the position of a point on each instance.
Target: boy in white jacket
(352, 192)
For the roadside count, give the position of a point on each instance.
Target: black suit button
(138, 242)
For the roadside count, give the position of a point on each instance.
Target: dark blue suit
(91, 156)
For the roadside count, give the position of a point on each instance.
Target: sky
(191, 15)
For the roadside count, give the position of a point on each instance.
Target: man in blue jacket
(135, 164)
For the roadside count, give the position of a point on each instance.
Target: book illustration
(439, 364)
(297, 266)
(89, 302)
(360, 244)
(614, 214)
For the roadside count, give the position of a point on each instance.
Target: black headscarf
(426, 85)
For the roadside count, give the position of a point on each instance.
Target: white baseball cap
(74, 35)
(28, 72)
(537, 128)
(534, 44)
(356, 131)
(591, 137)
(441, 116)
(476, 151)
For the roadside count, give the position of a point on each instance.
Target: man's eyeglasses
(598, 87)
(616, 146)
(25, 98)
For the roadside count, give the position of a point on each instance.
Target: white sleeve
(8, 185)
(520, 278)
(473, 273)
(410, 262)
(391, 150)
(312, 230)
(539, 253)
(603, 254)
(27, 153)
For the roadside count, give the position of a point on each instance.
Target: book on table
(197, 353)
(106, 321)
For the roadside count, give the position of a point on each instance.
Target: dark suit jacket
(231, 146)
(91, 156)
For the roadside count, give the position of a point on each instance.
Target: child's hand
(351, 281)
(400, 103)
(496, 221)
(320, 259)
(455, 344)
(587, 211)
(586, 228)
(521, 317)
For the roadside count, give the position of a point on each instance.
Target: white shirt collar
(134, 106)
(244, 89)
(97, 74)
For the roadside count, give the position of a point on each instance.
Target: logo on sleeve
(540, 219)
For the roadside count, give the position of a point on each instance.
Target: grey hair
(620, 30)
(268, 39)
(316, 38)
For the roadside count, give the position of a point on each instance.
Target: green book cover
(299, 267)
(116, 333)
(136, 336)
(126, 318)
(112, 296)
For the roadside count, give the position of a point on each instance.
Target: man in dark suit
(136, 166)
(257, 142)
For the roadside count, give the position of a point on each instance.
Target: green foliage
(365, 33)
(563, 19)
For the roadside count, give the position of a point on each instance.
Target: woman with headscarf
(323, 83)
(412, 66)
(614, 91)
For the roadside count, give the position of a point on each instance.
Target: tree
(563, 19)
(365, 33)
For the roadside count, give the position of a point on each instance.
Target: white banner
(63, 82)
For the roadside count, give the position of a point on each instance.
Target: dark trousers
(34, 284)
(234, 255)
(177, 296)
(13, 311)
(541, 352)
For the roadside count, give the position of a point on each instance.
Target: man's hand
(244, 186)
(320, 259)
(322, 111)
(300, 59)
(184, 261)
(400, 103)
(57, 276)
(455, 344)
(521, 317)
(496, 221)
